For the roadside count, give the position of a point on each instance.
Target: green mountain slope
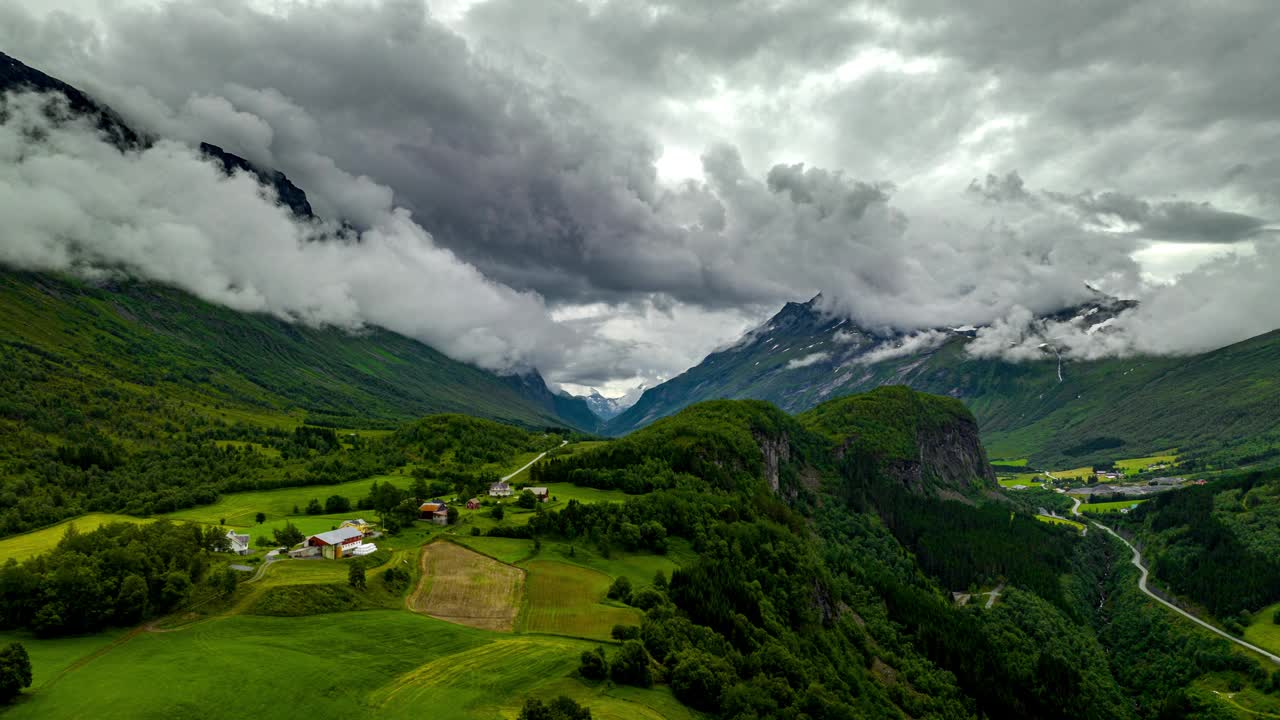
(1223, 406)
(64, 338)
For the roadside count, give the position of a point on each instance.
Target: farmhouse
(364, 526)
(239, 543)
(336, 543)
(473, 504)
(435, 511)
(539, 492)
(500, 489)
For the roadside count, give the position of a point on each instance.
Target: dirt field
(465, 587)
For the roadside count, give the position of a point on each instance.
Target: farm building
(473, 504)
(500, 489)
(359, 524)
(239, 543)
(539, 492)
(435, 511)
(336, 543)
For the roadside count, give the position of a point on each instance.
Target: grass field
(1085, 472)
(21, 547)
(381, 663)
(1262, 631)
(1134, 465)
(1060, 521)
(465, 587)
(50, 657)
(569, 599)
(239, 509)
(1024, 479)
(1108, 507)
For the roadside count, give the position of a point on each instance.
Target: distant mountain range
(1225, 404)
(607, 408)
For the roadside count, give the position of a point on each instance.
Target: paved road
(566, 442)
(1142, 585)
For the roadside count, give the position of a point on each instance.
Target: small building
(500, 489)
(336, 543)
(473, 504)
(540, 493)
(435, 511)
(364, 526)
(239, 543)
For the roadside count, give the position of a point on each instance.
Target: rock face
(951, 458)
(776, 452)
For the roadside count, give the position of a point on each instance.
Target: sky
(607, 190)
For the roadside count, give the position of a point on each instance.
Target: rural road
(1142, 585)
(991, 600)
(531, 462)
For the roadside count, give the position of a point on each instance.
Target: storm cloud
(622, 172)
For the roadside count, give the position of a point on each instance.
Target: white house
(239, 543)
(500, 489)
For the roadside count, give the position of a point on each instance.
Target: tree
(335, 504)
(227, 580)
(527, 500)
(314, 507)
(132, 602)
(452, 512)
(593, 665)
(562, 708)
(262, 517)
(418, 488)
(15, 671)
(698, 678)
(289, 535)
(177, 587)
(625, 632)
(1275, 617)
(355, 575)
(497, 512)
(621, 589)
(631, 665)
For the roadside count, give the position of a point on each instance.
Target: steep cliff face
(926, 442)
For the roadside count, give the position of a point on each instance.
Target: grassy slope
(171, 349)
(26, 545)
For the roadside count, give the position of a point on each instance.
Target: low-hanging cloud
(73, 202)
(912, 344)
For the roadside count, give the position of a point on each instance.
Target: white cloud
(807, 360)
(912, 344)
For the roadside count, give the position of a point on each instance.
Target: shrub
(15, 671)
(625, 632)
(497, 512)
(314, 507)
(698, 679)
(562, 708)
(593, 665)
(647, 599)
(335, 504)
(621, 589)
(631, 665)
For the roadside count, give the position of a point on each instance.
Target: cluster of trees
(466, 441)
(1216, 543)
(561, 708)
(116, 575)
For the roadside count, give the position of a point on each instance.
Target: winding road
(530, 463)
(1142, 585)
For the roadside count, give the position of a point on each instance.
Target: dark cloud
(836, 143)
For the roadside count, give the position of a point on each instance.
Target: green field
(569, 600)
(1060, 521)
(1109, 507)
(1262, 631)
(390, 662)
(21, 547)
(1023, 479)
(239, 509)
(1135, 465)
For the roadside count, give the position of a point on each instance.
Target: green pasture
(21, 547)
(239, 509)
(1134, 465)
(570, 600)
(1109, 507)
(1060, 521)
(1263, 632)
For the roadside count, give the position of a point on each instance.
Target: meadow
(1060, 521)
(1135, 465)
(26, 545)
(1109, 507)
(1263, 631)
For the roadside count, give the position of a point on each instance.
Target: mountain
(131, 335)
(1222, 405)
(607, 408)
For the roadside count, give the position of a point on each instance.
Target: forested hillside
(827, 591)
